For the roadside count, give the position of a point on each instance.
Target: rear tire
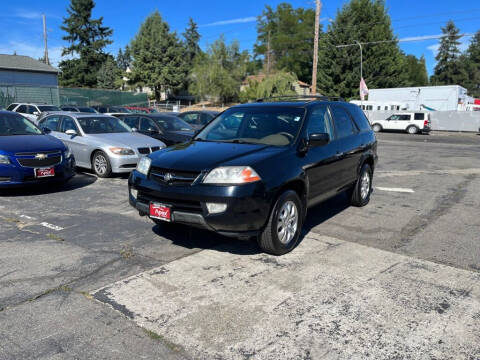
(377, 127)
(412, 129)
(360, 194)
(284, 226)
(101, 164)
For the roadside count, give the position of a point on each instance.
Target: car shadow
(77, 182)
(191, 238)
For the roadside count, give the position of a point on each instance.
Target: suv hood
(199, 155)
(30, 143)
(130, 139)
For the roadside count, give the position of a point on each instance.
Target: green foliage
(158, 56)
(470, 62)
(448, 70)
(87, 38)
(416, 71)
(124, 58)
(290, 33)
(109, 75)
(192, 37)
(276, 84)
(383, 63)
(219, 72)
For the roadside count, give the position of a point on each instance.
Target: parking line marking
(402, 190)
(51, 226)
(27, 217)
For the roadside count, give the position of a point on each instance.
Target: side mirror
(152, 130)
(71, 132)
(36, 113)
(134, 130)
(318, 139)
(46, 130)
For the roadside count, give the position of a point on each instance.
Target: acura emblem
(40, 156)
(167, 177)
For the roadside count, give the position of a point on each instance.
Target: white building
(439, 98)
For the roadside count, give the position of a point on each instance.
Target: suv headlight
(143, 166)
(4, 159)
(122, 151)
(231, 175)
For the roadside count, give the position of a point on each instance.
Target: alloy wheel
(287, 223)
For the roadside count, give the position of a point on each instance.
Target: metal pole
(45, 55)
(361, 58)
(318, 9)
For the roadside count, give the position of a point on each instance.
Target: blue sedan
(28, 156)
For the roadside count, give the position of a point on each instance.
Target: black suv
(256, 168)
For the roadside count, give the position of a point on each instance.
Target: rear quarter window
(419, 116)
(359, 117)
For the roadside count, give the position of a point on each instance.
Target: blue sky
(22, 25)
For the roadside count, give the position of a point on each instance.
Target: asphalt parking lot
(83, 276)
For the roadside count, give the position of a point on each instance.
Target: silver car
(100, 142)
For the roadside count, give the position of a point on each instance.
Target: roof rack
(302, 97)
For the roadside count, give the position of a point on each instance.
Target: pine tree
(124, 58)
(158, 56)
(416, 70)
(87, 39)
(448, 70)
(383, 63)
(471, 64)
(108, 75)
(285, 40)
(192, 37)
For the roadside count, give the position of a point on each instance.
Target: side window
(343, 122)
(205, 118)
(68, 124)
(359, 117)
(147, 124)
(11, 107)
(405, 117)
(191, 118)
(369, 107)
(22, 109)
(419, 116)
(320, 121)
(51, 122)
(131, 121)
(32, 109)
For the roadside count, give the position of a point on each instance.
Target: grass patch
(86, 294)
(126, 252)
(55, 237)
(157, 337)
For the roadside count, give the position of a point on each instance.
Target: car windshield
(173, 124)
(87, 110)
(43, 108)
(276, 126)
(102, 125)
(118, 109)
(13, 124)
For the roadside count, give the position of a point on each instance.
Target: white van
(412, 123)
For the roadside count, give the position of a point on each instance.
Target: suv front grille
(36, 163)
(173, 177)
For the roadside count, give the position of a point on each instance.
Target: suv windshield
(43, 108)
(13, 124)
(173, 124)
(276, 126)
(102, 125)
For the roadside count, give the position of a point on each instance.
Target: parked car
(31, 111)
(28, 156)
(111, 109)
(167, 128)
(412, 123)
(75, 108)
(256, 168)
(198, 119)
(140, 110)
(100, 142)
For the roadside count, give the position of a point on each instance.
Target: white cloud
(36, 52)
(232, 21)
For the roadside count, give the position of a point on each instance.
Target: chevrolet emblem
(40, 156)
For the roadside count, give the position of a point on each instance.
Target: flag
(363, 89)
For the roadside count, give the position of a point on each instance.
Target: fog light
(215, 208)
(134, 193)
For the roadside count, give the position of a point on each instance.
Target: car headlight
(4, 159)
(122, 151)
(231, 175)
(143, 166)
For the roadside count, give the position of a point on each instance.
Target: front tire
(363, 187)
(284, 226)
(377, 128)
(101, 164)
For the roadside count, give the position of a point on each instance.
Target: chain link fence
(72, 96)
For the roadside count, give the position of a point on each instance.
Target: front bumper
(123, 164)
(13, 175)
(248, 206)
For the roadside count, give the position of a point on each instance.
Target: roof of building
(24, 63)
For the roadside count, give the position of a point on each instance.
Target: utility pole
(45, 55)
(318, 9)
